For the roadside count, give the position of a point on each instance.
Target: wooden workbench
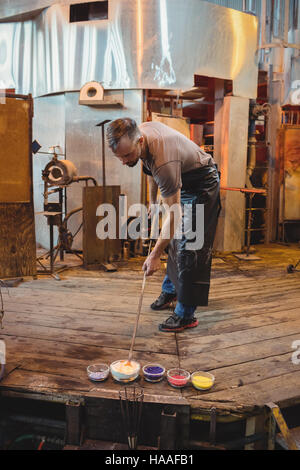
(54, 329)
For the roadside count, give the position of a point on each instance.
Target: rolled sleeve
(168, 178)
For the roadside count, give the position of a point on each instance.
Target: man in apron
(185, 175)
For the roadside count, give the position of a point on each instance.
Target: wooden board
(17, 231)
(95, 250)
(15, 151)
(245, 337)
(17, 240)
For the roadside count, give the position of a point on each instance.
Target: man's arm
(170, 223)
(153, 188)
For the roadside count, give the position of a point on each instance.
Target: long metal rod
(143, 287)
(138, 312)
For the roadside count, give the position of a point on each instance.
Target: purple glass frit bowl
(153, 372)
(98, 372)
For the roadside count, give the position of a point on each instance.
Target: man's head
(125, 140)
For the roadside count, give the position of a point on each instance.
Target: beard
(132, 164)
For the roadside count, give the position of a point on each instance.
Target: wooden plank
(100, 293)
(17, 240)
(115, 322)
(107, 340)
(17, 233)
(221, 324)
(239, 375)
(15, 151)
(237, 339)
(103, 285)
(85, 303)
(254, 396)
(107, 297)
(236, 284)
(91, 305)
(97, 251)
(241, 354)
(127, 310)
(24, 347)
(100, 322)
(38, 382)
(190, 347)
(66, 371)
(76, 369)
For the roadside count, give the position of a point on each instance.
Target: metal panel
(16, 8)
(157, 44)
(84, 149)
(12, 7)
(292, 71)
(48, 130)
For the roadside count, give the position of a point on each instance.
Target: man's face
(129, 152)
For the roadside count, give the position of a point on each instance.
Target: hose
(41, 444)
(42, 440)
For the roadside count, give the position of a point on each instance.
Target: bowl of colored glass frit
(178, 378)
(202, 380)
(153, 372)
(98, 372)
(125, 371)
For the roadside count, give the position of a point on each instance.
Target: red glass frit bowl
(178, 378)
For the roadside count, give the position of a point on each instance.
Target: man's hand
(151, 264)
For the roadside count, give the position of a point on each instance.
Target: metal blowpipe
(142, 292)
(138, 314)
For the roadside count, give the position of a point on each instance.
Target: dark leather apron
(189, 270)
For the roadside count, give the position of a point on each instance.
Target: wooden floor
(54, 329)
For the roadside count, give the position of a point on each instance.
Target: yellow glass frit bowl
(202, 380)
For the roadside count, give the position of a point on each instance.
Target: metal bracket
(74, 425)
(213, 425)
(168, 431)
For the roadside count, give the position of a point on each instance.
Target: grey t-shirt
(171, 154)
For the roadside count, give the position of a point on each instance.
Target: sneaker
(176, 323)
(163, 301)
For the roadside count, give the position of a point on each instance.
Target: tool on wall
(102, 124)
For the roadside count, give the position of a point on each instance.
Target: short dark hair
(120, 127)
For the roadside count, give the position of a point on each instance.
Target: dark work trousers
(189, 269)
